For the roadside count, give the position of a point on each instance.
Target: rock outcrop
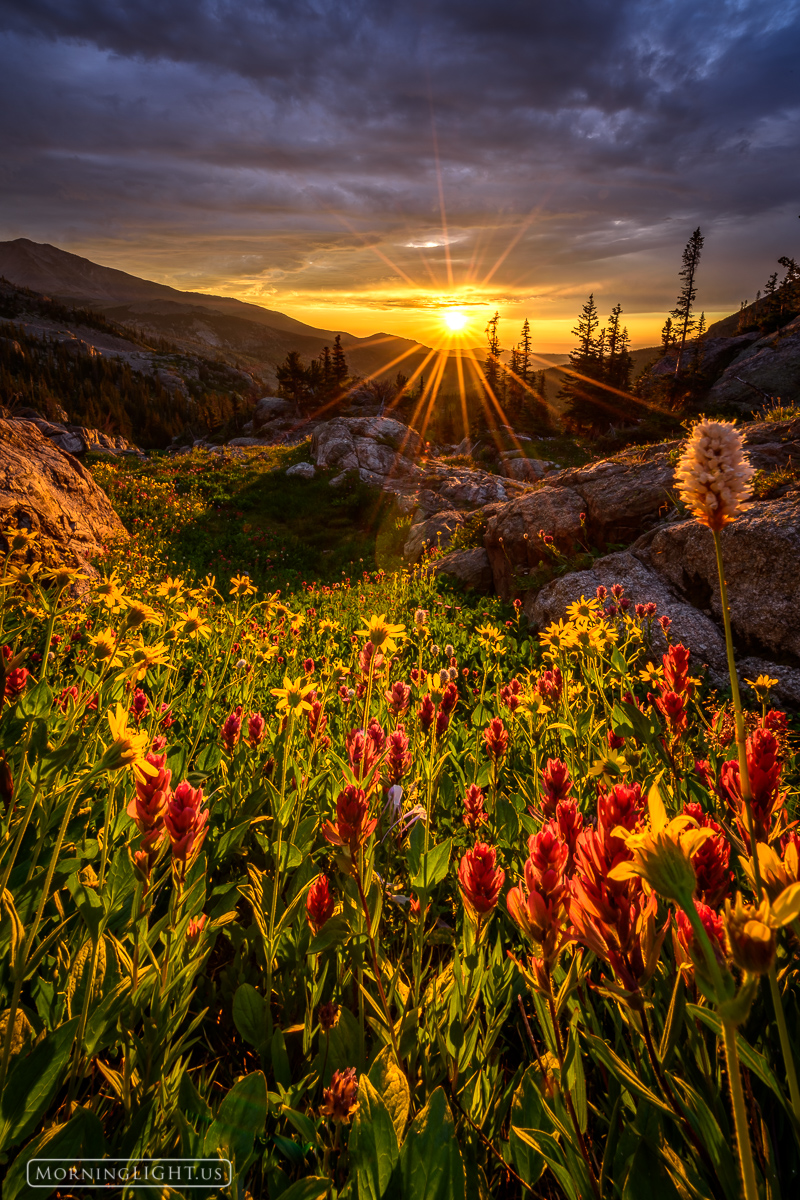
(435, 532)
(47, 490)
(642, 586)
(470, 568)
(77, 439)
(768, 367)
(761, 550)
(513, 538)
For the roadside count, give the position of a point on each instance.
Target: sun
(454, 320)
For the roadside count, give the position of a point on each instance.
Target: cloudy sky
(361, 163)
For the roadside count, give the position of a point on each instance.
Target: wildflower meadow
(374, 891)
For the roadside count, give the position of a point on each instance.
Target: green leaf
(290, 912)
(416, 841)
(32, 1084)
(37, 701)
(526, 1113)
(624, 1074)
(333, 933)
(546, 1145)
(280, 1059)
(674, 1022)
(250, 1015)
(481, 715)
(242, 1115)
(312, 1188)
(649, 1177)
(344, 1045)
(81, 1137)
(754, 1061)
(431, 1167)
(392, 1086)
(373, 1146)
(432, 867)
(190, 1100)
(208, 759)
(576, 1079)
(719, 1147)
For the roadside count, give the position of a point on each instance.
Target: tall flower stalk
(715, 481)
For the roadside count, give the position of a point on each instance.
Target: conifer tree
(492, 366)
(683, 312)
(516, 389)
(667, 335)
(339, 362)
(618, 363)
(525, 347)
(326, 367)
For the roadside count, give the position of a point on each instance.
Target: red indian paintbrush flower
(474, 813)
(688, 953)
(511, 695)
(449, 700)
(550, 685)
(426, 713)
(398, 697)
(151, 796)
(187, 824)
(398, 758)
(556, 784)
(319, 903)
(232, 729)
(569, 822)
(676, 670)
(495, 739)
(16, 682)
(194, 929)
(711, 861)
(538, 904)
(318, 723)
(353, 824)
(365, 750)
(480, 880)
(139, 705)
(764, 769)
(671, 707)
(614, 918)
(256, 727)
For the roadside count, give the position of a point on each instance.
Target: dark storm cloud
(620, 125)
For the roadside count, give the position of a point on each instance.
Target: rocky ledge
(46, 489)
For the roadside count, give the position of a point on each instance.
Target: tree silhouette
(338, 361)
(683, 312)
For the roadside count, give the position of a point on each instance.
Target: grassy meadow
(314, 865)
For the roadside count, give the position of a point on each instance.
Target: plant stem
(741, 740)
(739, 1112)
(786, 1045)
(744, 776)
(376, 967)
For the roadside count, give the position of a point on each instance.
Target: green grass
(218, 515)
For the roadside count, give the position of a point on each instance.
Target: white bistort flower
(714, 475)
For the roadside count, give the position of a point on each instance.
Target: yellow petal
(623, 871)
(658, 814)
(692, 840)
(787, 907)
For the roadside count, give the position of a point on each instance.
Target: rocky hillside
(73, 365)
